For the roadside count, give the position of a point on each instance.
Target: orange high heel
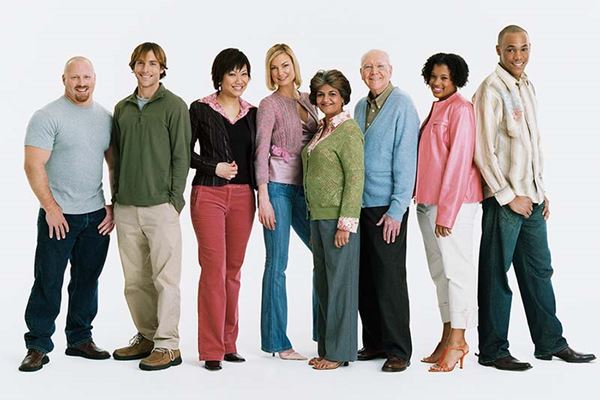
(441, 366)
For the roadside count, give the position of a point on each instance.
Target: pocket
(440, 132)
(509, 215)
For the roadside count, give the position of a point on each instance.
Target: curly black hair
(459, 70)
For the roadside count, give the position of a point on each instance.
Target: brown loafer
(33, 361)
(87, 350)
(395, 364)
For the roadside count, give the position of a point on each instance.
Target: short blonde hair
(274, 51)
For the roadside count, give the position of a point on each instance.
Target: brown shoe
(33, 361)
(365, 354)
(161, 358)
(395, 364)
(139, 347)
(88, 350)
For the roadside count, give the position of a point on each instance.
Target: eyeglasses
(369, 68)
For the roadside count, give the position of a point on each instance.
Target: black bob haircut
(226, 61)
(459, 70)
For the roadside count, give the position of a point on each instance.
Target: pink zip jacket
(446, 173)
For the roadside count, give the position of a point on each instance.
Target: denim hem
(38, 348)
(551, 352)
(276, 350)
(484, 359)
(83, 341)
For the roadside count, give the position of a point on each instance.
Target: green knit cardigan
(334, 173)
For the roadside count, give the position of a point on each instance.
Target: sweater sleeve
(265, 122)
(455, 181)
(404, 159)
(180, 136)
(351, 155)
(200, 161)
(488, 115)
(115, 145)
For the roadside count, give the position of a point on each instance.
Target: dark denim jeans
(289, 206)
(508, 237)
(86, 250)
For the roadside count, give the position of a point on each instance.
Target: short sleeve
(41, 131)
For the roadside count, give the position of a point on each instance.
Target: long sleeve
(180, 136)
(351, 156)
(488, 116)
(200, 161)
(265, 122)
(404, 160)
(115, 146)
(455, 180)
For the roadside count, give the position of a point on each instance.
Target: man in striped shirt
(515, 211)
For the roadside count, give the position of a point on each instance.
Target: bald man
(515, 211)
(65, 145)
(390, 124)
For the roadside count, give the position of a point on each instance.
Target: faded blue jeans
(289, 206)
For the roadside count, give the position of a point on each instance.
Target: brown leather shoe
(88, 350)
(161, 358)
(139, 347)
(395, 364)
(365, 354)
(33, 361)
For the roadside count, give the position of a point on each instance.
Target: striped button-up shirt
(508, 150)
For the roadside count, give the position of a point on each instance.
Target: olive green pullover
(151, 150)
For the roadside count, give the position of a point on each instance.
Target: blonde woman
(286, 121)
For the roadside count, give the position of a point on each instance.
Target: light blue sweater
(390, 153)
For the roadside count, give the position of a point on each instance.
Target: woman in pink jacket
(448, 191)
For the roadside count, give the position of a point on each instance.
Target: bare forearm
(38, 180)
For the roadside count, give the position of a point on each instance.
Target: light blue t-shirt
(77, 138)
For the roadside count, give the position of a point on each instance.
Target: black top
(241, 148)
(209, 128)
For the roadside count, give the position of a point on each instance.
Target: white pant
(451, 265)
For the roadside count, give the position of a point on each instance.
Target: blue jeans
(289, 206)
(508, 237)
(86, 250)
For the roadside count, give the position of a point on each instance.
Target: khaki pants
(150, 248)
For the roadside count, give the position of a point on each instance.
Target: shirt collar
(510, 80)
(336, 120)
(212, 102)
(381, 98)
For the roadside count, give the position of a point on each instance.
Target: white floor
(265, 377)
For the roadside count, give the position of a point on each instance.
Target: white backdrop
(39, 36)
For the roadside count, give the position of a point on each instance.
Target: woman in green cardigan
(333, 183)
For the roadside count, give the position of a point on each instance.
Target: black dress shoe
(508, 363)
(233, 357)
(87, 350)
(33, 361)
(212, 365)
(569, 355)
(395, 364)
(365, 354)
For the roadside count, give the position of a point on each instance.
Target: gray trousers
(336, 284)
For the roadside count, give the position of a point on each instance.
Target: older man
(515, 211)
(390, 124)
(65, 146)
